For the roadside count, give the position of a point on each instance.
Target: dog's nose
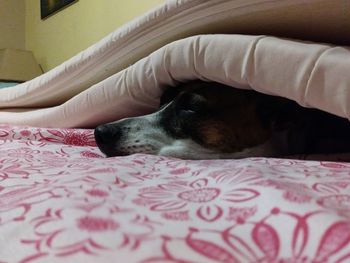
(105, 134)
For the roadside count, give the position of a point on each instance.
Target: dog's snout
(105, 134)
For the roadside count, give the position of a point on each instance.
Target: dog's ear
(169, 94)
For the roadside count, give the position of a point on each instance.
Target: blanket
(98, 85)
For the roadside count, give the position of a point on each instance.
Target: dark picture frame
(50, 7)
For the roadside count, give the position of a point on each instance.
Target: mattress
(61, 200)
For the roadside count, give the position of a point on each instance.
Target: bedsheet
(62, 201)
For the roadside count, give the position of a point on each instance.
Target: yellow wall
(64, 34)
(12, 24)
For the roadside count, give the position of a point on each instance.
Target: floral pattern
(203, 199)
(61, 200)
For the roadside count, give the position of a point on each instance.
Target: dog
(206, 120)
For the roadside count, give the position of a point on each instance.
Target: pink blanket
(61, 201)
(119, 76)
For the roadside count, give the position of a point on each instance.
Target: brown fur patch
(234, 130)
(211, 134)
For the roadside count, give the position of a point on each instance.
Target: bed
(61, 200)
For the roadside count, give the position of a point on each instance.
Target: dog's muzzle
(107, 137)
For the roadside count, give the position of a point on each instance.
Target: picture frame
(50, 7)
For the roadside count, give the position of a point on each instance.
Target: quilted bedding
(61, 200)
(118, 77)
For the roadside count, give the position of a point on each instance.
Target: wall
(12, 24)
(70, 31)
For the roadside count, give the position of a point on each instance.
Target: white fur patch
(187, 149)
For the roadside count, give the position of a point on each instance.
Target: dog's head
(196, 120)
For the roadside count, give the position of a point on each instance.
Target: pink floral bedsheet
(62, 201)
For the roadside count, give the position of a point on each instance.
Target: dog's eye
(187, 112)
(191, 109)
(191, 104)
